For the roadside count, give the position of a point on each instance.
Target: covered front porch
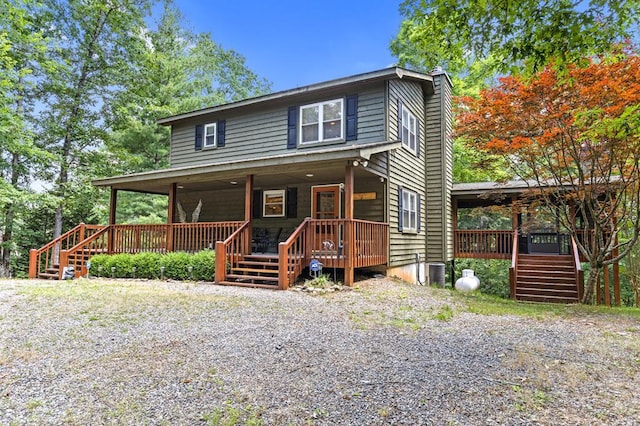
(266, 219)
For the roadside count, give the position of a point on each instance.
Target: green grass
(484, 304)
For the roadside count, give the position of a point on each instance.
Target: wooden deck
(339, 243)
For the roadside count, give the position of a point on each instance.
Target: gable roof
(380, 75)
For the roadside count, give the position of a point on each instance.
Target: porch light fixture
(233, 182)
(309, 175)
(180, 186)
(356, 163)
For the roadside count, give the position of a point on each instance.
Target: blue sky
(295, 43)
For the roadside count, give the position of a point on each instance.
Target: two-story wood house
(354, 172)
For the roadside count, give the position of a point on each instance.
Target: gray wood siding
(260, 133)
(405, 170)
(373, 210)
(439, 175)
(217, 206)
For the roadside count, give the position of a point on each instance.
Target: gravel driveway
(146, 352)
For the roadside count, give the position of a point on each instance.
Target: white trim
(215, 135)
(273, 192)
(411, 125)
(321, 121)
(413, 213)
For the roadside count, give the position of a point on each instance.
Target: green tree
(93, 45)
(22, 59)
(174, 71)
(479, 38)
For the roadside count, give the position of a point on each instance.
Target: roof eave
(386, 73)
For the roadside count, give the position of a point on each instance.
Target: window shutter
(418, 212)
(257, 204)
(352, 118)
(418, 138)
(399, 119)
(199, 130)
(400, 209)
(222, 124)
(292, 128)
(292, 202)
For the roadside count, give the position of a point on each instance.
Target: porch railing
(578, 269)
(483, 243)
(335, 243)
(230, 251)
(76, 246)
(194, 237)
(48, 256)
(513, 269)
(291, 255)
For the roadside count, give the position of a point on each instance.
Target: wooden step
(546, 299)
(251, 277)
(255, 271)
(250, 285)
(49, 276)
(255, 262)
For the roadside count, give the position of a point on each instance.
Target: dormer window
(321, 122)
(209, 135)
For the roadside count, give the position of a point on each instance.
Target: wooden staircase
(546, 278)
(254, 270)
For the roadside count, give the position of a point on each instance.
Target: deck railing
(371, 243)
(513, 269)
(335, 243)
(192, 237)
(48, 256)
(291, 256)
(138, 238)
(578, 269)
(78, 255)
(230, 251)
(483, 243)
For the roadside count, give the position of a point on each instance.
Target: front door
(325, 202)
(325, 205)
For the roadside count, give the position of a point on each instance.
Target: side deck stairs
(546, 278)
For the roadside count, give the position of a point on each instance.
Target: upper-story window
(210, 131)
(321, 122)
(409, 133)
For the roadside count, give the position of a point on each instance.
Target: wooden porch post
(514, 213)
(248, 210)
(170, 215)
(349, 245)
(113, 202)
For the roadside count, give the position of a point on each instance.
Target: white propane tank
(468, 281)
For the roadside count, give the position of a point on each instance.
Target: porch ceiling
(324, 166)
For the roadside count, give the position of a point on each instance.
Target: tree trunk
(588, 296)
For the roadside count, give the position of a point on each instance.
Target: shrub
(493, 274)
(176, 265)
(148, 265)
(204, 265)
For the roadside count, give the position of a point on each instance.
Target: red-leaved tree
(575, 137)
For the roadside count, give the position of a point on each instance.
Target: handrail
(78, 255)
(577, 268)
(291, 255)
(513, 270)
(52, 249)
(231, 249)
(482, 243)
